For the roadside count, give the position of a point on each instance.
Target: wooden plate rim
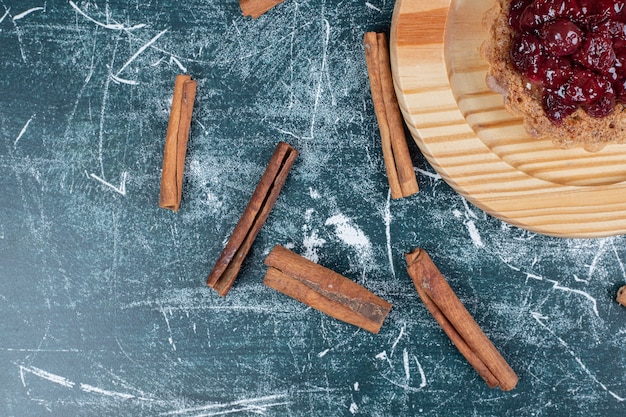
(535, 205)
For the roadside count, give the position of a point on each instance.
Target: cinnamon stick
(229, 263)
(256, 8)
(621, 296)
(457, 322)
(398, 163)
(176, 140)
(324, 290)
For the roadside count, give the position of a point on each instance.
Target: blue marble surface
(102, 294)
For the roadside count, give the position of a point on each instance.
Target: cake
(561, 67)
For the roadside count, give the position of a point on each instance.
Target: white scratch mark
(354, 408)
(106, 393)
(289, 133)
(470, 216)
(36, 350)
(619, 261)
(533, 276)
(387, 218)
(474, 234)
(170, 339)
(538, 317)
(557, 286)
(407, 367)
(155, 64)
(382, 356)
(120, 190)
(178, 63)
(119, 80)
(323, 353)
(371, 6)
(57, 379)
(6, 13)
(23, 130)
(201, 125)
(18, 33)
(258, 405)
(468, 210)
(291, 58)
(428, 173)
(514, 268)
(26, 13)
(596, 258)
(395, 343)
(421, 371)
(140, 51)
(594, 302)
(318, 93)
(115, 26)
(65, 382)
(405, 387)
(105, 98)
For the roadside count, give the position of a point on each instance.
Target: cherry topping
(560, 37)
(602, 107)
(620, 90)
(516, 10)
(556, 72)
(620, 66)
(547, 10)
(611, 9)
(556, 107)
(585, 87)
(596, 52)
(574, 51)
(526, 55)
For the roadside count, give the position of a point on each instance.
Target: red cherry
(603, 107)
(515, 12)
(556, 108)
(528, 19)
(620, 90)
(610, 9)
(575, 50)
(526, 55)
(585, 87)
(560, 37)
(596, 52)
(620, 66)
(547, 9)
(556, 72)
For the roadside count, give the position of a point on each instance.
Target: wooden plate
(477, 147)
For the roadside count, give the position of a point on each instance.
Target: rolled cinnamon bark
(621, 296)
(324, 290)
(176, 140)
(457, 323)
(256, 8)
(398, 163)
(229, 263)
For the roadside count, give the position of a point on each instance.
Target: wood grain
(480, 149)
